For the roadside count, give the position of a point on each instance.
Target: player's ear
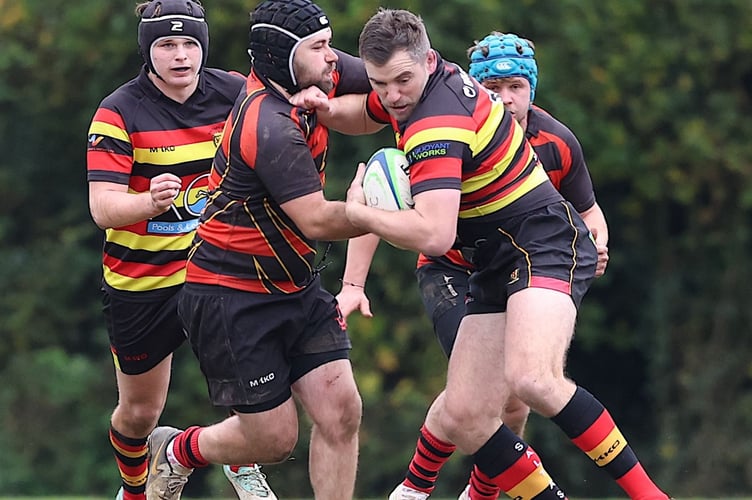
(431, 60)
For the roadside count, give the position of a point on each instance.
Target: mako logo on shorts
(261, 380)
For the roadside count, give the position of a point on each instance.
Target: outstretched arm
(345, 114)
(352, 296)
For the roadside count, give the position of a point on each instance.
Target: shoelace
(175, 483)
(252, 479)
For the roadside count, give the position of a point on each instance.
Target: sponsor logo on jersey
(164, 227)
(95, 139)
(467, 85)
(196, 195)
(428, 150)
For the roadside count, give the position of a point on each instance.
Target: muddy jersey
(138, 133)
(561, 155)
(271, 153)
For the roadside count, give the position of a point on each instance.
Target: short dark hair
(391, 30)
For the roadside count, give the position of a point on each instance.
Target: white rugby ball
(386, 183)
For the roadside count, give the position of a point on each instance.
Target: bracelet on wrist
(350, 283)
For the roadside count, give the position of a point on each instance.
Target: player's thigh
(475, 379)
(443, 291)
(539, 329)
(148, 389)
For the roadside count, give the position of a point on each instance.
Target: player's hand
(355, 193)
(356, 210)
(311, 98)
(352, 298)
(602, 249)
(163, 189)
(600, 266)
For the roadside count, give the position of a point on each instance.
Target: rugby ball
(386, 183)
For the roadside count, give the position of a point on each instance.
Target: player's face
(177, 60)
(314, 62)
(400, 82)
(515, 94)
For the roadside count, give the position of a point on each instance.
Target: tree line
(658, 92)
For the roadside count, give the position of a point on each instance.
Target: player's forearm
(595, 220)
(405, 228)
(360, 253)
(329, 223)
(111, 209)
(347, 114)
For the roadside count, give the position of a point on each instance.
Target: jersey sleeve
(376, 110)
(435, 149)
(353, 78)
(109, 152)
(281, 158)
(577, 186)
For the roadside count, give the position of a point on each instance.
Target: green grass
(110, 498)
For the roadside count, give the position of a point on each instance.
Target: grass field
(110, 498)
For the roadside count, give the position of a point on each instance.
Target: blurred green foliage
(659, 93)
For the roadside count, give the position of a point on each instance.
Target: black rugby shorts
(142, 331)
(546, 248)
(443, 289)
(252, 347)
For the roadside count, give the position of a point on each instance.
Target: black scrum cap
(172, 18)
(278, 27)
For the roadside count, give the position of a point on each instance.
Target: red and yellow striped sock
(590, 427)
(509, 463)
(131, 458)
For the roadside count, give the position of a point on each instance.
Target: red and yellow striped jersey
(137, 133)
(561, 155)
(460, 137)
(271, 153)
